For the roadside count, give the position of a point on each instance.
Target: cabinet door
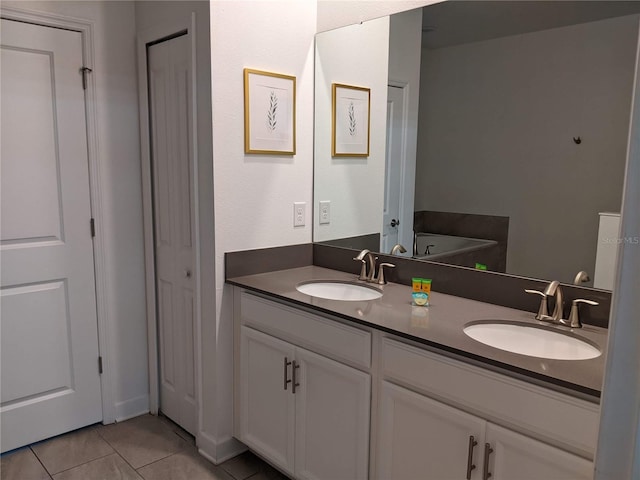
(332, 419)
(267, 409)
(521, 457)
(422, 438)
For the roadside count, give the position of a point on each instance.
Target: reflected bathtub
(442, 246)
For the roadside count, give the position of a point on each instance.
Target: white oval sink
(348, 291)
(533, 341)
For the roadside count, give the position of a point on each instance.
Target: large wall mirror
(498, 134)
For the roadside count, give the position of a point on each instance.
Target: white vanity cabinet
(423, 438)
(421, 434)
(312, 399)
(305, 412)
(518, 456)
(267, 409)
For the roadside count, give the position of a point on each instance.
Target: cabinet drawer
(316, 333)
(548, 415)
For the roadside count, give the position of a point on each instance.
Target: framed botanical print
(269, 113)
(351, 121)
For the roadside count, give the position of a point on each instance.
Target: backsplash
(484, 286)
(491, 287)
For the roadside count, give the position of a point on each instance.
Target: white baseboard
(221, 451)
(132, 408)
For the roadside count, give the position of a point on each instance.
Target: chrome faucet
(369, 274)
(552, 290)
(365, 256)
(397, 248)
(581, 277)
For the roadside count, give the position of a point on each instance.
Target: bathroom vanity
(332, 389)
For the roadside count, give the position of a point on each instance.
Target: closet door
(173, 209)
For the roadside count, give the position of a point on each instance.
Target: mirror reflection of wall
(521, 137)
(356, 55)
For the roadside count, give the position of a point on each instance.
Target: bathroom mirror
(500, 121)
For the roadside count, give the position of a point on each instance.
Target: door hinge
(100, 365)
(85, 71)
(92, 224)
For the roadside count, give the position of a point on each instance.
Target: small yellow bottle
(416, 283)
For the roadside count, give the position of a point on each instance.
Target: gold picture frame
(350, 111)
(269, 113)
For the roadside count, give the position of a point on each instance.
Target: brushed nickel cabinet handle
(295, 383)
(470, 465)
(487, 451)
(286, 380)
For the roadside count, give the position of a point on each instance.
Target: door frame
(407, 172)
(144, 38)
(86, 29)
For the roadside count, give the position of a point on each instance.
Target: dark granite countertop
(440, 326)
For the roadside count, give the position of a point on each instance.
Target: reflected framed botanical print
(351, 120)
(269, 113)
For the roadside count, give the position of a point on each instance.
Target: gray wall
(496, 124)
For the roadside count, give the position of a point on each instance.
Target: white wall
(355, 55)
(340, 13)
(405, 40)
(114, 70)
(497, 120)
(254, 194)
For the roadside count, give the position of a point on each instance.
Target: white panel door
(50, 379)
(393, 168)
(266, 399)
(169, 94)
(332, 419)
(422, 438)
(516, 456)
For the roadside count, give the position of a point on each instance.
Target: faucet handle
(381, 280)
(427, 251)
(542, 310)
(574, 316)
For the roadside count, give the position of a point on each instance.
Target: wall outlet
(325, 212)
(299, 213)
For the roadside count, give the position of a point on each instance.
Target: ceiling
(456, 22)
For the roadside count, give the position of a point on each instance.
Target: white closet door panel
(169, 99)
(29, 128)
(35, 315)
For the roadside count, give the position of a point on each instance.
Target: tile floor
(145, 447)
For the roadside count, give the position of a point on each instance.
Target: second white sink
(349, 291)
(531, 340)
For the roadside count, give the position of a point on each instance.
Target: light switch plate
(325, 212)
(299, 213)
